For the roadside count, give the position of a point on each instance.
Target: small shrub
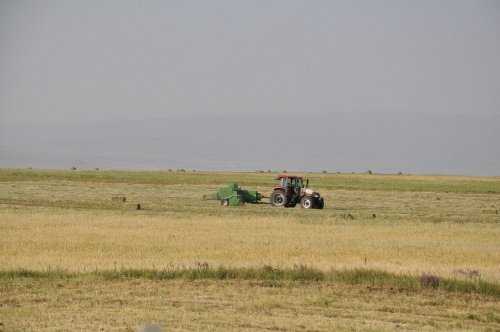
(428, 280)
(469, 273)
(202, 265)
(347, 216)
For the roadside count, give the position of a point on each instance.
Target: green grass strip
(369, 278)
(221, 273)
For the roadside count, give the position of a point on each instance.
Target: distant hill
(381, 142)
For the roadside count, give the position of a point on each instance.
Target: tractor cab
(285, 181)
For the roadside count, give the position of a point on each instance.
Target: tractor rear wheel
(306, 202)
(278, 198)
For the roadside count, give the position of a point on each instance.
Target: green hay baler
(233, 195)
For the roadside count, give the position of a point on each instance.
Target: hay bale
(122, 199)
(133, 206)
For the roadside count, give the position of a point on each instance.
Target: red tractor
(291, 191)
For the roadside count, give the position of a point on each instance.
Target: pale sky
(80, 61)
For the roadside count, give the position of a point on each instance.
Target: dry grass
(97, 304)
(83, 241)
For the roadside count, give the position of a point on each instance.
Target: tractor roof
(288, 176)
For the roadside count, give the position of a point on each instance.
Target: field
(387, 252)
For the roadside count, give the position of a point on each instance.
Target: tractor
(291, 191)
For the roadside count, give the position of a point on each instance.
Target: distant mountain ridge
(382, 142)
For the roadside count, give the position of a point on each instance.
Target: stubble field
(387, 252)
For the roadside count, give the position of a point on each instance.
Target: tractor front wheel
(306, 202)
(278, 198)
(321, 204)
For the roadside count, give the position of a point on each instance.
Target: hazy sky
(75, 61)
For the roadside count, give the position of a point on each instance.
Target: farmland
(387, 252)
